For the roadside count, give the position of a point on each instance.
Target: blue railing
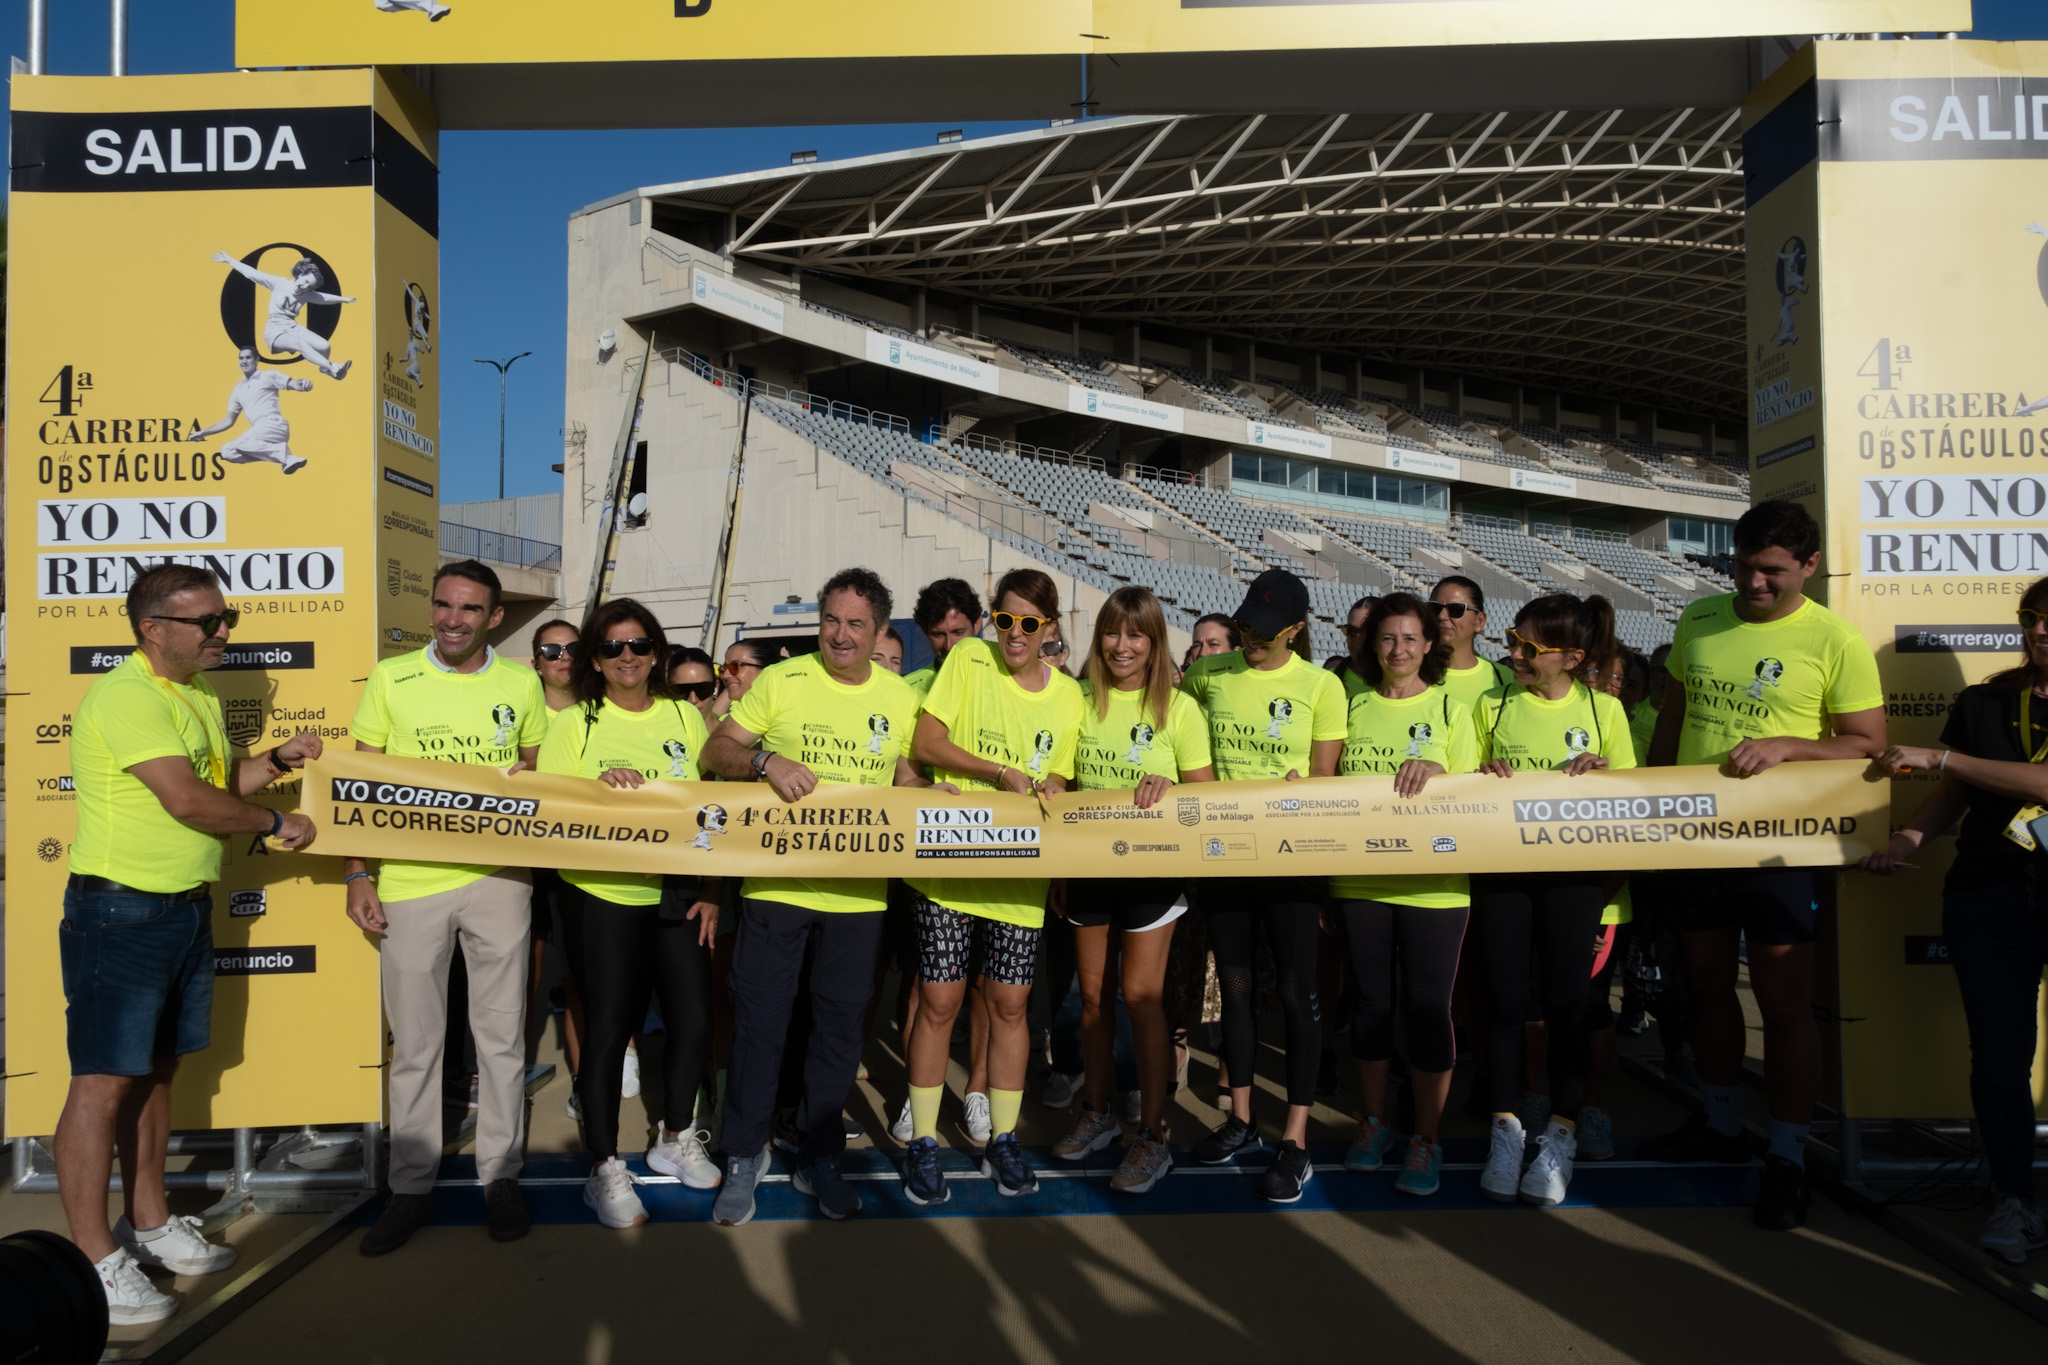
(471, 542)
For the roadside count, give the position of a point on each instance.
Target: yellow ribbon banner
(1796, 815)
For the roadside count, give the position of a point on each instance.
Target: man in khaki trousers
(454, 701)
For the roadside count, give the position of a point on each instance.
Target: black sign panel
(239, 658)
(281, 961)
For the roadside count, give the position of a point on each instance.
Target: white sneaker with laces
(1502, 1177)
(979, 1126)
(1550, 1174)
(902, 1128)
(683, 1156)
(179, 1247)
(609, 1191)
(632, 1079)
(1061, 1089)
(131, 1298)
(2014, 1230)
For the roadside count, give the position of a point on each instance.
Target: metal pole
(38, 37)
(117, 39)
(502, 367)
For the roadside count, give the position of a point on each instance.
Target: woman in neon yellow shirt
(1272, 714)
(1405, 725)
(998, 718)
(1142, 736)
(1546, 721)
(639, 935)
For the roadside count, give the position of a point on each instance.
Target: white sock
(150, 1234)
(1724, 1115)
(1788, 1140)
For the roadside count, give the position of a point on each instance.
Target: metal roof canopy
(1594, 251)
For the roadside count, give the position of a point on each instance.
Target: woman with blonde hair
(1141, 736)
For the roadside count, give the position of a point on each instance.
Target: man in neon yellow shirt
(157, 787)
(1759, 677)
(455, 701)
(834, 717)
(947, 611)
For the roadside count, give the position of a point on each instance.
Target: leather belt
(104, 886)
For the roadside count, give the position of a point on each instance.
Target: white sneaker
(1134, 1106)
(2014, 1230)
(683, 1156)
(1550, 1174)
(902, 1128)
(131, 1298)
(980, 1127)
(632, 1085)
(610, 1192)
(1502, 1177)
(179, 1247)
(1061, 1089)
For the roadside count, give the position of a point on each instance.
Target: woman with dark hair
(1547, 721)
(998, 718)
(1406, 726)
(554, 659)
(642, 933)
(1212, 634)
(693, 676)
(744, 660)
(1143, 736)
(1993, 766)
(1460, 607)
(1271, 714)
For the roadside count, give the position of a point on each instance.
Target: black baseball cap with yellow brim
(1275, 601)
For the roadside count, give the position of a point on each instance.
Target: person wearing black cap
(1271, 714)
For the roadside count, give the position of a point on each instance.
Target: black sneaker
(1695, 1142)
(505, 1211)
(1781, 1198)
(1283, 1180)
(850, 1125)
(404, 1214)
(1002, 1161)
(1633, 1022)
(1234, 1137)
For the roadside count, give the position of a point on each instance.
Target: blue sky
(505, 201)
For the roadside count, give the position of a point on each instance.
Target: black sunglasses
(1454, 610)
(554, 653)
(612, 649)
(697, 691)
(208, 624)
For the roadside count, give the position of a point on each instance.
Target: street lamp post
(502, 367)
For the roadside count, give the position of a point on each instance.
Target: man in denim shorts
(157, 786)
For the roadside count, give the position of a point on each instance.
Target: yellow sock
(1003, 1106)
(924, 1110)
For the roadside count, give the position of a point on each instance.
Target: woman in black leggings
(1271, 714)
(640, 934)
(1546, 721)
(1993, 763)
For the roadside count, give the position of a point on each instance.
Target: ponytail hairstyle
(2024, 675)
(1563, 621)
(1132, 608)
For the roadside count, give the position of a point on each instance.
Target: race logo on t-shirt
(505, 718)
(1141, 740)
(1769, 672)
(678, 754)
(1041, 750)
(1282, 711)
(878, 732)
(1576, 740)
(1419, 734)
(710, 821)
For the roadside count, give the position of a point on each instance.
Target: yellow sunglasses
(1030, 625)
(1516, 640)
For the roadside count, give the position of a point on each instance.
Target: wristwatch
(761, 758)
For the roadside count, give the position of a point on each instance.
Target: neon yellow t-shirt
(920, 681)
(1621, 909)
(1537, 735)
(1642, 727)
(661, 743)
(1262, 723)
(1126, 744)
(847, 734)
(1382, 734)
(415, 708)
(130, 716)
(1762, 680)
(1479, 685)
(990, 716)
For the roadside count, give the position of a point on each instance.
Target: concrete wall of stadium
(805, 514)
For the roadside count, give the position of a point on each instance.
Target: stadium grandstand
(1176, 351)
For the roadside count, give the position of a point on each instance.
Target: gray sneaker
(821, 1180)
(735, 1204)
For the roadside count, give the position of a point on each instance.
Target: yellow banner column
(1898, 329)
(220, 329)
